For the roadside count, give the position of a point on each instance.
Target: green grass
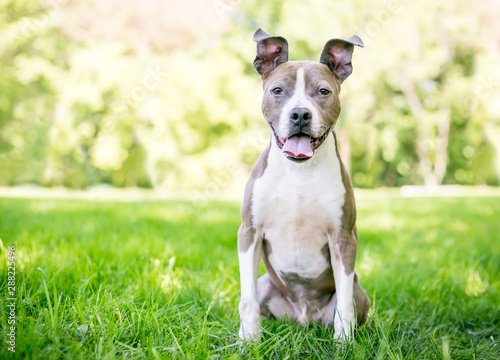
(139, 280)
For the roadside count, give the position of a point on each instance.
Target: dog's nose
(300, 116)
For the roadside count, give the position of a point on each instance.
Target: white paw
(341, 335)
(343, 329)
(246, 334)
(250, 320)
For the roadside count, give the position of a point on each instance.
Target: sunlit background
(162, 94)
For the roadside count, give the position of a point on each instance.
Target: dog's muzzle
(300, 146)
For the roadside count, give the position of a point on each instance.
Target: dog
(298, 212)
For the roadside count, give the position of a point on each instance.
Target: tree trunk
(442, 145)
(423, 136)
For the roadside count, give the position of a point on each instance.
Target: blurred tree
(164, 94)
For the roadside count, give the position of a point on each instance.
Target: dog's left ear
(271, 51)
(337, 55)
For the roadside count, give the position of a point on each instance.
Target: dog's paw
(246, 334)
(250, 316)
(343, 330)
(341, 336)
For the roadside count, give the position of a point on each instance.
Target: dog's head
(301, 98)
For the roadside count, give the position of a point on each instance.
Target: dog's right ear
(271, 51)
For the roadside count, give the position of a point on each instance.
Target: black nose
(300, 116)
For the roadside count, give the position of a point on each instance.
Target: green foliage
(89, 97)
(106, 280)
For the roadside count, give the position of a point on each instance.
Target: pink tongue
(298, 146)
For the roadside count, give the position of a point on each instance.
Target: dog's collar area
(314, 143)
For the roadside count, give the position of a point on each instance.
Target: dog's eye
(324, 92)
(277, 91)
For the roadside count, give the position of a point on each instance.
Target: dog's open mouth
(301, 146)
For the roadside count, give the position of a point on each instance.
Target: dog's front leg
(249, 251)
(343, 254)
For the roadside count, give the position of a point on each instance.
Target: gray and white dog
(298, 212)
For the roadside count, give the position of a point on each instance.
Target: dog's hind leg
(327, 313)
(361, 301)
(272, 303)
(361, 305)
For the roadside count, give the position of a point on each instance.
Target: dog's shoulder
(257, 171)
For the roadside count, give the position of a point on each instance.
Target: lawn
(159, 280)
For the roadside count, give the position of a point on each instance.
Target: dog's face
(301, 98)
(301, 105)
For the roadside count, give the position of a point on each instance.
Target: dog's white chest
(296, 206)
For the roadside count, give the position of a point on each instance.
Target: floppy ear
(337, 55)
(271, 51)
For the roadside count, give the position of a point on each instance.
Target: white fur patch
(248, 307)
(344, 313)
(295, 205)
(247, 273)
